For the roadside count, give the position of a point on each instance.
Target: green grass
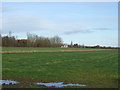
(96, 69)
(36, 48)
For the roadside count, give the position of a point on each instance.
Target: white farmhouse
(64, 46)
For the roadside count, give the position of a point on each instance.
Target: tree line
(32, 40)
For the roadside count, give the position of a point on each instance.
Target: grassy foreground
(96, 69)
(35, 48)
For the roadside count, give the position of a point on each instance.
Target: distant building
(64, 46)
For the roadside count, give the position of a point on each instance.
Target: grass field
(33, 48)
(96, 69)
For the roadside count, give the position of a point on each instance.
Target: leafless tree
(56, 41)
(31, 39)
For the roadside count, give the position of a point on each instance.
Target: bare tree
(31, 39)
(10, 34)
(56, 41)
(8, 41)
(42, 42)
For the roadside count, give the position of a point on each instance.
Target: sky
(88, 23)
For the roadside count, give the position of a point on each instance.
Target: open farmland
(96, 69)
(37, 49)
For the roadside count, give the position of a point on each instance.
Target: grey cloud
(77, 31)
(85, 31)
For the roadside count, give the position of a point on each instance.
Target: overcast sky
(88, 23)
